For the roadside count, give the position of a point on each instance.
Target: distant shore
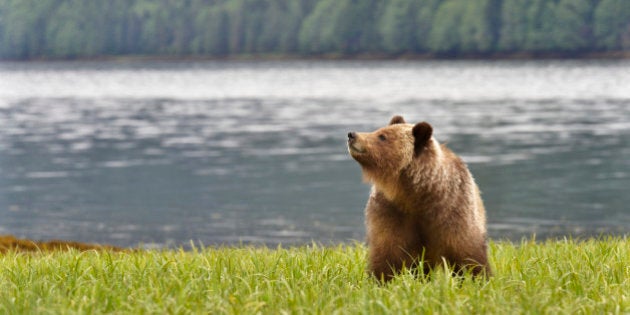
(613, 55)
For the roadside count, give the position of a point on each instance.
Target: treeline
(31, 29)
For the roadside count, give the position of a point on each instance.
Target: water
(162, 153)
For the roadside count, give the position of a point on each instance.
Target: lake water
(162, 153)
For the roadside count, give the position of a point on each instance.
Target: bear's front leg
(391, 241)
(386, 260)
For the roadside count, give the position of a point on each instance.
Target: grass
(564, 277)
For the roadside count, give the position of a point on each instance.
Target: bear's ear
(397, 120)
(422, 134)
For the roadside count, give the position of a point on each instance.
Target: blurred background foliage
(67, 29)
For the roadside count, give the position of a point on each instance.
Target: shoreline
(530, 56)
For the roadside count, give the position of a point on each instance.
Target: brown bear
(424, 204)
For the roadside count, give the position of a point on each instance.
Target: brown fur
(424, 202)
(11, 243)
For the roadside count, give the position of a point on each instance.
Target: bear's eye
(382, 137)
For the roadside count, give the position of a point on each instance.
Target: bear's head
(385, 153)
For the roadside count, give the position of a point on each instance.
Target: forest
(71, 29)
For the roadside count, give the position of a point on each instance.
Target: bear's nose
(352, 135)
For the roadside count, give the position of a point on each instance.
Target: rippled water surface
(162, 153)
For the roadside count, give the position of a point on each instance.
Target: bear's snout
(354, 143)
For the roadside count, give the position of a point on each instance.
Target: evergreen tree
(514, 25)
(211, 31)
(445, 32)
(573, 27)
(74, 30)
(316, 34)
(612, 25)
(340, 26)
(23, 25)
(475, 29)
(398, 26)
(120, 29)
(540, 17)
(424, 23)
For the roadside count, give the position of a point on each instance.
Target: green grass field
(565, 277)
